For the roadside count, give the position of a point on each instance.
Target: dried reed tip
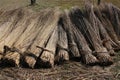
(11, 59)
(104, 59)
(75, 52)
(112, 53)
(62, 56)
(89, 59)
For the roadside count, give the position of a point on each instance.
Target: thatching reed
(12, 33)
(62, 44)
(81, 43)
(99, 34)
(114, 18)
(105, 32)
(72, 45)
(29, 30)
(88, 58)
(42, 39)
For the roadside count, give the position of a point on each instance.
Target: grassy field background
(11, 4)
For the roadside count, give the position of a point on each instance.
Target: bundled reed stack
(62, 44)
(85, 51)
(101, 52)
(27, 39)
(42, 39)
(114, 18)
(31, 38)
(112, 14)
(82, 26)
(105, 31)
(11, 31)
(72, 45)
(21, 37)
(48, 55)
(7, 23)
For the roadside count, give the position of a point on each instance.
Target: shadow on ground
(68, 71)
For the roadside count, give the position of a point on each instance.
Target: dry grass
(67, 71)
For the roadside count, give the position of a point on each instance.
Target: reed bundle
(72, 45)
(96, 30)
(42, 39)
(62, 44)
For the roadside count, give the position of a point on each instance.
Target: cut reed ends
(104, 58)
(88, 58)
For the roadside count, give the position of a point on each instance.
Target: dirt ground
(71, 70)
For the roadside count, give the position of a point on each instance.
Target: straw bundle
(72, 45)
(109, 28)
(42, 39)
(62, 48)
(83, 47)
(12, 38)
(46, 25)
(29, 36)
(102, 25)
(114, 18)
(85, 51)
(48, 56)
(6, 28)
(103, 57)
